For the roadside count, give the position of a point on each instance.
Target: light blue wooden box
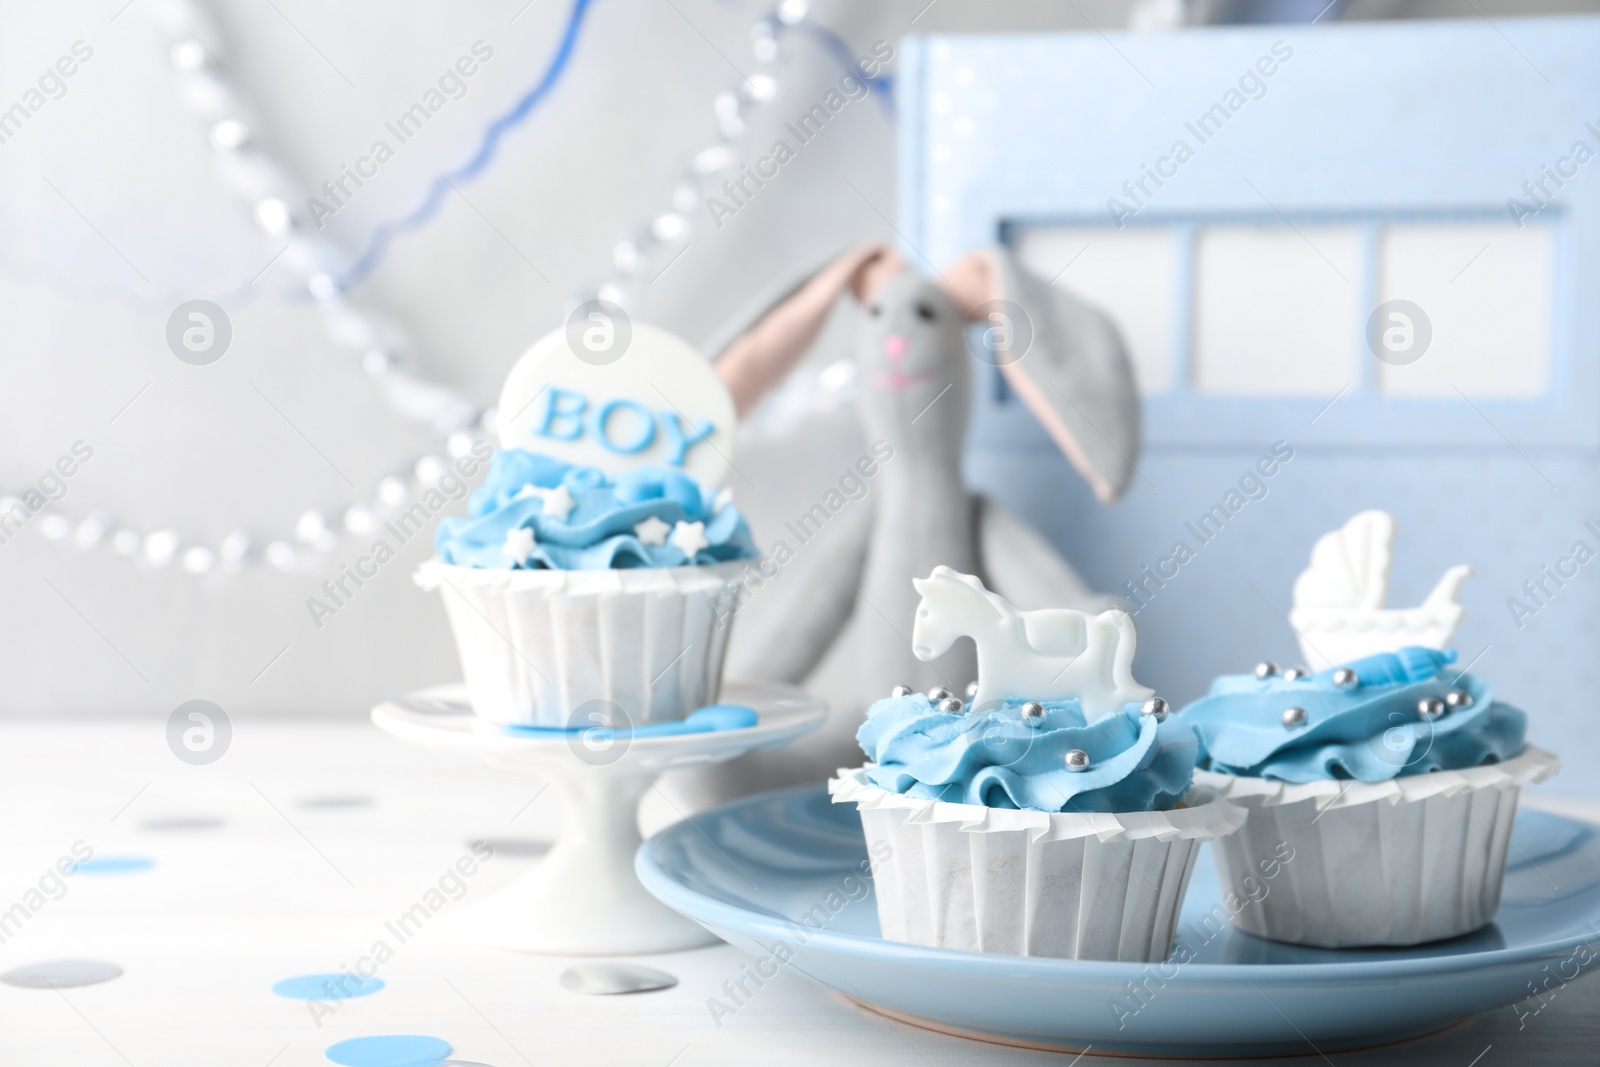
(1362, 137)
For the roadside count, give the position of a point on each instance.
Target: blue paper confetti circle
(101, 865)
(390, 1050)
(327, 987)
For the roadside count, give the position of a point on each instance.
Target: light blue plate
(748, 872)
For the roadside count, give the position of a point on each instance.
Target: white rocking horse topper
(1051, 654)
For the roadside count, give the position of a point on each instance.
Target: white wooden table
(324, 833)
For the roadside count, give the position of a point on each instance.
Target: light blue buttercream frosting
(599, 531)
(995, 759)
(1371, 732)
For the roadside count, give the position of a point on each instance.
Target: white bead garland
(645, 252)
(54, 527)
(90, 532)
(160, 547)
(234, 548)
(269, 192)
(198, 559)
(359, 520)
(392, 492)
(281, 554)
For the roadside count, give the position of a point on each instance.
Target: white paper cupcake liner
(537, 646)
(1031, 883)
(1401, 862)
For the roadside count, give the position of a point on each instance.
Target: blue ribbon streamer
(881, 85)
(386, 232)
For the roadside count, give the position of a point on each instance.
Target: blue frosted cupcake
(1015, 757)
(1023, 828)
(1392, 781)
(535, 512)
(1024, 825)
(573, 594)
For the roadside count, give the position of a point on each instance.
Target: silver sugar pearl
(1345, 678)
(951, 705)
(1156, 707)
(972, 690)
(1430, 707)
(1458, 698)
(1294, 674)
(1033, 714)
(1076, 760)
(938, 693)
(1294, 718)
(1266, 669)
(901, 691)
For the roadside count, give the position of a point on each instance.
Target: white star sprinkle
(724, 498)
(558, 503)
(519, 545)
(690, 537)
(652, 531)
(528, 490)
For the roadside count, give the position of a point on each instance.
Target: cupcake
(1391, 781)
(579, 597)
(1025, 825)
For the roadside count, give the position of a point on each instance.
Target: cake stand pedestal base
(584, 899)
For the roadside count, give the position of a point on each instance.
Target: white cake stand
(585, 900)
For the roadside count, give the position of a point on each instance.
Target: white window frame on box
(1027, 140)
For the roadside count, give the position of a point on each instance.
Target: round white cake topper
(608, 393)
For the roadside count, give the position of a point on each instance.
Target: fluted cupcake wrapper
(1402, 862)
(1030, 883)
(539, 647)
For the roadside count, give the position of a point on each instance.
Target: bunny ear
(1074, 375)
(758, 358)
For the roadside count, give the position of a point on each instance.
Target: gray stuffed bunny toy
(1062, 358)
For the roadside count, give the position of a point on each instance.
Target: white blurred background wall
(111, 214)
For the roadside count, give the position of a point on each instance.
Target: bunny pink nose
(895, 345)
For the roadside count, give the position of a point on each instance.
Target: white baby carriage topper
(1338, 612)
